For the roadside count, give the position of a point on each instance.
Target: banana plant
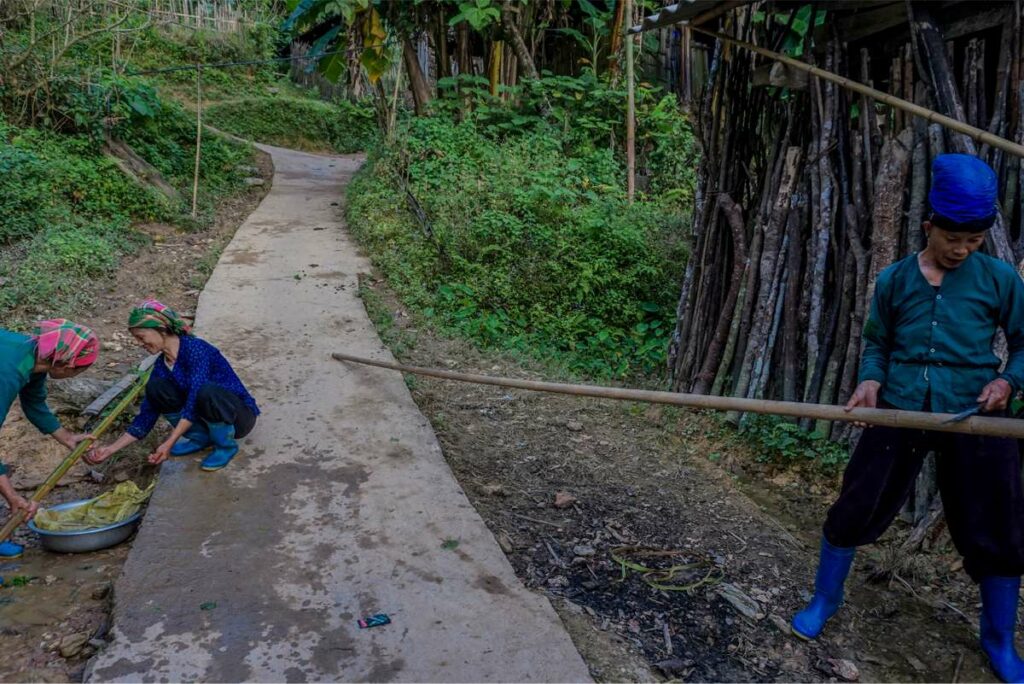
(328, 19)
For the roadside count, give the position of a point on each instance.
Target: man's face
(952, 249)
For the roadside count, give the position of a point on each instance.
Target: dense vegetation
(66, 209)
(529, 242)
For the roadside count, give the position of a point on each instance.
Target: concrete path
(337, 506)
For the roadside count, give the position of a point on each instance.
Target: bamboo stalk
(199, 137)
(930, 115)
(18, 518)
(915, 420)
(630, 111)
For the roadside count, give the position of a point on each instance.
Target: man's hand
(162, 453)
(865, 396)
(20, 503)
(995, 396)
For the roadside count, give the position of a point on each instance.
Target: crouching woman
(193, 386)
(56, 348)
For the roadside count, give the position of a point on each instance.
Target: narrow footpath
(339, 506)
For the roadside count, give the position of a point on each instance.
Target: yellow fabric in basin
(120, 503)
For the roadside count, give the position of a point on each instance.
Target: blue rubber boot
(9, 550)
(195, 439)
(224, 446)
(999, 596)
(833, 567)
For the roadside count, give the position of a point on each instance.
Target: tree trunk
(417, 83)
(919, 181)
(790, 327)
(444, 65)
(713, 355)
(465, 60)
(508, 22)
(887, 216)
(822, 232)
(764, 312)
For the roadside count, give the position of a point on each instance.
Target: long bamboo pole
(915, 420)
(18, 518)
(199, 138)
(977, 134)
(630, 109)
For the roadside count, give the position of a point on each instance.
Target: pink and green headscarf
(153, 314)
(64, 342)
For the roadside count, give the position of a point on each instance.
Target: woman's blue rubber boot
(833, 567)
(999, 597)
(224, 446)
(9, 550)
(195, 439)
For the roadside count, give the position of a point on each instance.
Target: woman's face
(151, 340)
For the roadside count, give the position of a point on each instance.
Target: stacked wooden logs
(807, 191)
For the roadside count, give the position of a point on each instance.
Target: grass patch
(297, 123)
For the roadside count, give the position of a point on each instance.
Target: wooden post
(630, 109)
(199, 137)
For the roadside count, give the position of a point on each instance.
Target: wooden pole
(977, 134)
(630, 111)
(18, 518)
(915, 420)
(199, 137)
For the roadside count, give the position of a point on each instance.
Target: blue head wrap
(963, 195)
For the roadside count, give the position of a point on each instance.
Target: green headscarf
(153, 314)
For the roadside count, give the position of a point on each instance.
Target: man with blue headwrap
(927, 346)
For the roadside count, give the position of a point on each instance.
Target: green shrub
(297, 123)
(783, 441)
(533, 246)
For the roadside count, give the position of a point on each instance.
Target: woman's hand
(995, 396)
(20, 503)
(99, 453)
(161, 453)
(71, 439)
(865, 396)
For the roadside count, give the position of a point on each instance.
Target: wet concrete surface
(340, 504)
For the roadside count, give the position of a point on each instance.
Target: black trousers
(213, 405)
(979, 479)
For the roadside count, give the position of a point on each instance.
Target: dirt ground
(579, 492)
(54, 608)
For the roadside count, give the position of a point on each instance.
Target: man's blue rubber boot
(9, 550)
(224, 446)
(999, 596)
(833, 567)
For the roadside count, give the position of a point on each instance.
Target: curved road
(337, 506)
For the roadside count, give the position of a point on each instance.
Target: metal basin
(82, 541)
